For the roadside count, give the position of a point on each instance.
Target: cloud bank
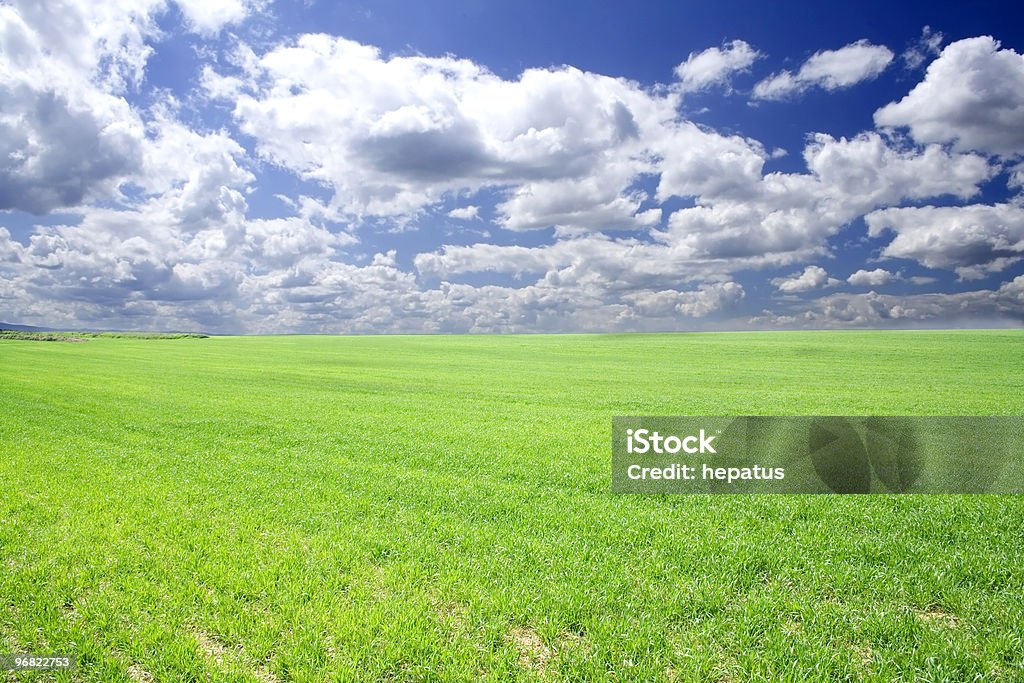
(312, 183)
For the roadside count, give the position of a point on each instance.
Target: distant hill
(25, 328)
(33, 333)
(38, 335)
(90, 332)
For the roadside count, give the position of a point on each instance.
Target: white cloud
(10, 250)
(157, 265)
(175, 156)
(813, 277)
(972, 96)
(1016, 180)
(465, 213)
(68, 135)
(622, 264)
(972, 240)
(392, 136)
(106, 44)
(697, 162)
(927, 46)
(829, 69)
(872, 278)
(999, 307)
(847, 66)
(599, 200)
(758, 222)
(866, 170)
(693, 304)
(208, 17)
(715, 66)
(784, 218)
(595, 202)
(778, 86)
(65, 137)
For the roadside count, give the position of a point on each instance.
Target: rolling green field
(439, 508)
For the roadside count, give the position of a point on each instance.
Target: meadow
(439, 508)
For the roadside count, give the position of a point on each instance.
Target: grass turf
(438, 508)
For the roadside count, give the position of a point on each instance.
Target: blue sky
(247, 166)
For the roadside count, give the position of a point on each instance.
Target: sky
(289, 166)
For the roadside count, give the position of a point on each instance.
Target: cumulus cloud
(972, 96)
(64, 136)
(813, 277)
(465, 213)
(68, 135)
(155, 264)
(1000, 307)
(829, 69)
(973, 240)
(596, 202)
(106, 45)
(619, 264)
(715, 65)
(872, 278)
(866, 166)
(56, 151)
(208, 17)
(694, 304)
(391, 136)
(697, 163)
(1016, 180)
(760, 221)
(783, 218)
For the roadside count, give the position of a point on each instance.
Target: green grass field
(439, 508)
